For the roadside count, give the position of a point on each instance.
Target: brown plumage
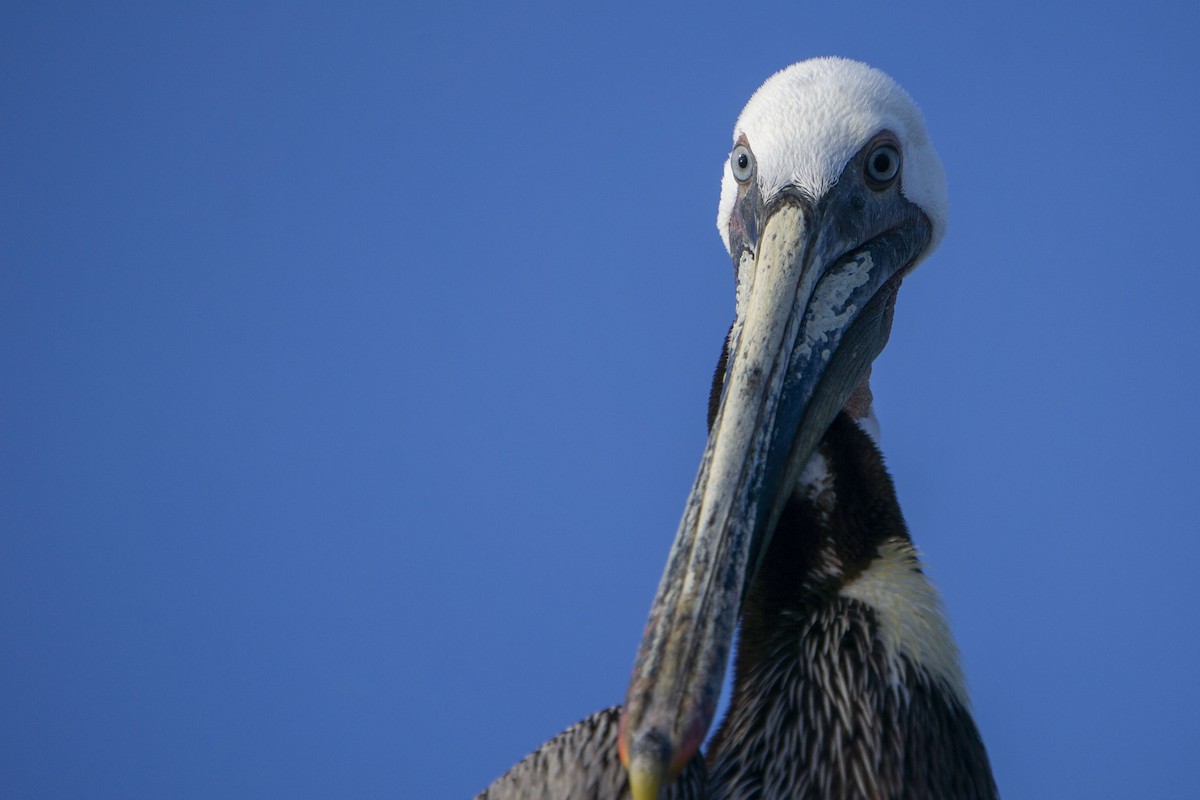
(823, 706)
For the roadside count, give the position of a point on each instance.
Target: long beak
(813, 313)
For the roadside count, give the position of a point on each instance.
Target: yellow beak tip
(645, 780)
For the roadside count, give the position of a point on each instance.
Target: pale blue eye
(883, 165)
(741, 162)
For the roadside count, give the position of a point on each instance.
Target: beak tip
(646, 777)
(648, 759)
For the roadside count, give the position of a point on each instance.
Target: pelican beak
(817, 281)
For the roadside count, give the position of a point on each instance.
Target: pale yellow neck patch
(912, 622)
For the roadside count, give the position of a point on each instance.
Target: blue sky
(356, 356)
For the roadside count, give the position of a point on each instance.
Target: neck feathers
(847, 679)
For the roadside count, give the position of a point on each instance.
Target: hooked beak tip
(646, 777)
(647, 761)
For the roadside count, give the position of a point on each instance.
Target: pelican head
(830, 195)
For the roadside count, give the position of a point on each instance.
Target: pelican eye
(883, 165)
(741, 161)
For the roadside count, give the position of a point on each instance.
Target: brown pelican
(847, 681)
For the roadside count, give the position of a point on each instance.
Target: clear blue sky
(354, 363)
